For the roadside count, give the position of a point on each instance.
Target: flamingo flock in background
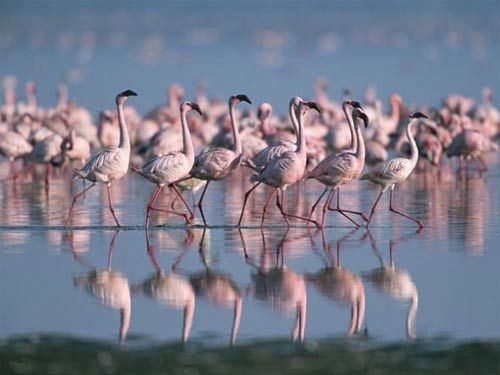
(185, 152)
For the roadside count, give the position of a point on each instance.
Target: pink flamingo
(218, 163)
(396, 171)
(170, 168)
(110, 164)
(285, 169)
(343, 167)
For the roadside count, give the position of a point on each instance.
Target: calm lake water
(431, 299)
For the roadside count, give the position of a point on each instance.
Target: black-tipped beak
(128, 93)
(196, 107)
(313, 105)
(243, 98)
(418, 115)
(365, 119)
(356, 104)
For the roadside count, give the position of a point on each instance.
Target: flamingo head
(239, 98)
(418, 115)
(265, 110)
(312, 105)
(193, 106)
(122, 97)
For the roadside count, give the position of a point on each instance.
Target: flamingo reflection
(283, 288)
(340, 284)
(218, 289)
(110, 287)
(170, 288)
(395, 282)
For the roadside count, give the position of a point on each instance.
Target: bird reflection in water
(170, 288)
(218, 289)
(110, 287)
(283, 288)
(340, 284)
(395, 282)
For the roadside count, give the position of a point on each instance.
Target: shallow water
(451, 266)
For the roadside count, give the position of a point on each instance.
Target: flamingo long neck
(188, 148)
(354, 141)
(293, 118)
(236, 133)
(395, 111)
(413, 144)
(264, 127)
(410, 318)
(301, 145)
(124, 137)
(124, 321)
(188, 318)
(236, 319)
(360, 150)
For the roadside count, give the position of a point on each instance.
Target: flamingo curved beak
(243, 98)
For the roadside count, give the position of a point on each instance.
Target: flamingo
(343, 167)
(170, 168)
(396, 171)
(287, 168)
(218, 163)
(110, 287)
(110, 164)
(283, 288)
(14, 146)
(276, 146)
(218, 289)
(340, 284)
(397, 283)
(170, 289)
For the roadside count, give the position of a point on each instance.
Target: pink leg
(317, 202)
(264, 209)
(279, 205)
(108, 187)
(151, 200)
(373, 208)
(282, 209)
(200, 207)
(151, 208)
(342, 212)
(191, 214)
(247, 194)
(75, 198)
(363, 216)
(419, 223)
(328, 201)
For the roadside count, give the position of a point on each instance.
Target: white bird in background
(396, 171)
(110, 164)
(218, 163)
(171, 168)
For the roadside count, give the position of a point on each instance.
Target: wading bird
(110, 164)
(170, 168)
(286, 169)
(218, 163)
(396, 171)
(344, 166)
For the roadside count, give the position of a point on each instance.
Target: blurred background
(269, 50)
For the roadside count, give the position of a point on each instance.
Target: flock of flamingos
(185, 145)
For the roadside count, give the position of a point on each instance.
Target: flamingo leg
(279, 205)
(482, 162)
(152, 208)
(282, 209)
(191, 214)
(373, 208)
(341, 211)
(317, 202)
(363, 216)
(108, 188)
(326, 205)
(247, 195)
(200, 202)
(75, 198)
(151, 200)
(392, 209)
(264, 209)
